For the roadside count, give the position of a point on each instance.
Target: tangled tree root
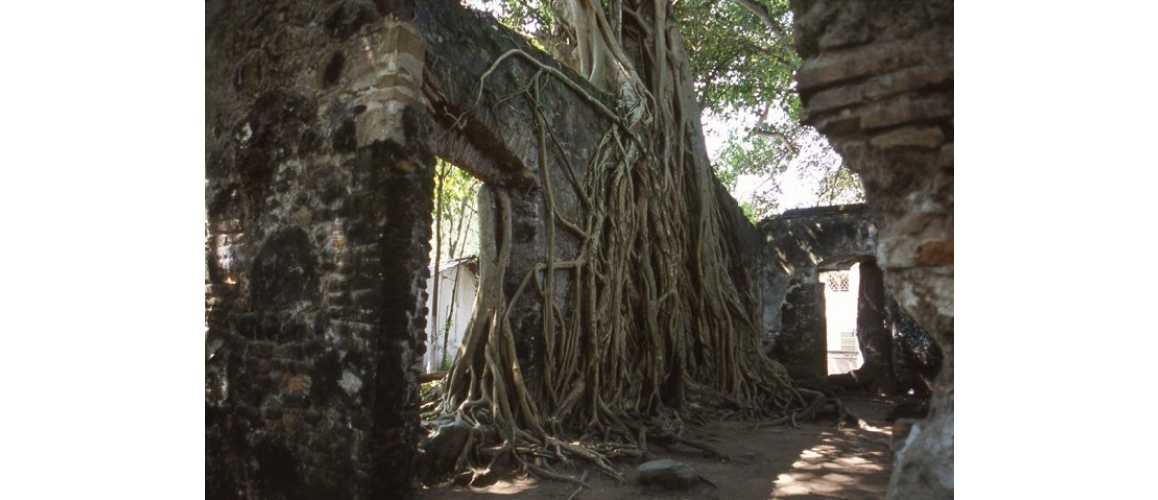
(657, 327)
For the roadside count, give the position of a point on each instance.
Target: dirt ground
(817, 461)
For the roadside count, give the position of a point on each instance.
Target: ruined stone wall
(877, 80)
(318, 203)
(321, 121)
(493, 132)
(746, 246)
(490, 128)
(797, 244)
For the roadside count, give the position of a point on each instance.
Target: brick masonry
(318, 204)
(318, 201)
(877, 80)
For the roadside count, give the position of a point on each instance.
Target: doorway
(454, 272)
(840, 298)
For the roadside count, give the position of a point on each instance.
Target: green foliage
(426, 389)
(746, 207)
(447, 362)
(526, 16)
(756, 156)
(843, 186)
(535, 19)
(446, 359)
(738, 64)
(743, 72)
(458, 211)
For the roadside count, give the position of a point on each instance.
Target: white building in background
(840, 303)
(457, 293)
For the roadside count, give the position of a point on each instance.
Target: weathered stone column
(318, 208)
(873, 333)
(802, 345)
(877, 79)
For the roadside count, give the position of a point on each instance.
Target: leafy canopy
(743, 58)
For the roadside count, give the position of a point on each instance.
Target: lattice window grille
(838, 281)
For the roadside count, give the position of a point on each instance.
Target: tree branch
(765, 16)
(777, 135)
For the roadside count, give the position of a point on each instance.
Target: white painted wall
(840, 316)
(457, 306)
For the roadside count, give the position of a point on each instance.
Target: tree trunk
(435, 354)
(613, 301)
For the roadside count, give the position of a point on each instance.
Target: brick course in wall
(318, 203)
(877, 80)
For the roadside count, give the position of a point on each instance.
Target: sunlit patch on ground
(845, 464)
(815, 462)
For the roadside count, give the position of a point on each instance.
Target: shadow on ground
(816, 461)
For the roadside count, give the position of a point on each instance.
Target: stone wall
(799, 244)
(493, 133)
(318, 203)
(322, 119)
(877, 80)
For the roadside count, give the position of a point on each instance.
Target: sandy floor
(817, 461)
